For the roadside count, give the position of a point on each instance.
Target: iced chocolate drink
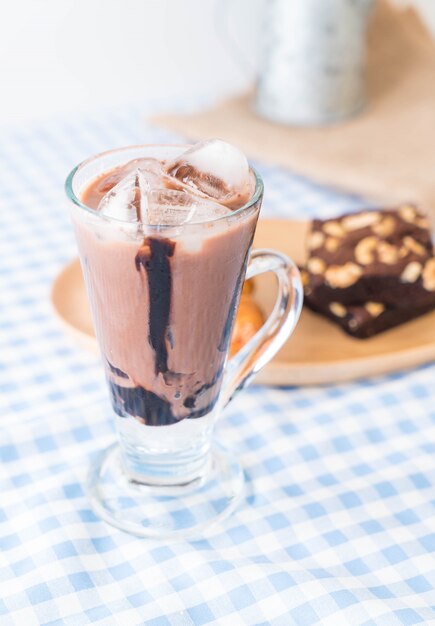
(164, 301)
(164, 235)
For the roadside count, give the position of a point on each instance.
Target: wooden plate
(318, 351)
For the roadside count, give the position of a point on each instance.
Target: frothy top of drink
(205, 182)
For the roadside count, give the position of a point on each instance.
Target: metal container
(312, 68)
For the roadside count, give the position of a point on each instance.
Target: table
(338, 526)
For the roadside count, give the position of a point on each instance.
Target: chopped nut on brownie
(372, 256)
(372, 270)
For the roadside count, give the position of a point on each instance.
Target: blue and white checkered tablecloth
(338, 527)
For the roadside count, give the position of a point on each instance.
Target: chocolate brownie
(373, 256)
(365, 320)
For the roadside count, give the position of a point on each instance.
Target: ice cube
(171, 207)
(216, 169)
(153, 166)
(128, 199)
(145, 196)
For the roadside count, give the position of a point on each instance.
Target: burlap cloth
(386, 153)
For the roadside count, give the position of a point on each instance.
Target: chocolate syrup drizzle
(154, 257)
(116, 370)
(137, 401)
(190, 401)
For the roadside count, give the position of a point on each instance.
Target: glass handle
(266, 342)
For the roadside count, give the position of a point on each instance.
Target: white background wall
(63, 56)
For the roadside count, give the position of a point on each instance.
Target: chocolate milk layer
(163, 307)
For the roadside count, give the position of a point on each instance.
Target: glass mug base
(181, 511)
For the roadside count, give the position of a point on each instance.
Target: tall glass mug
(163, 299)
